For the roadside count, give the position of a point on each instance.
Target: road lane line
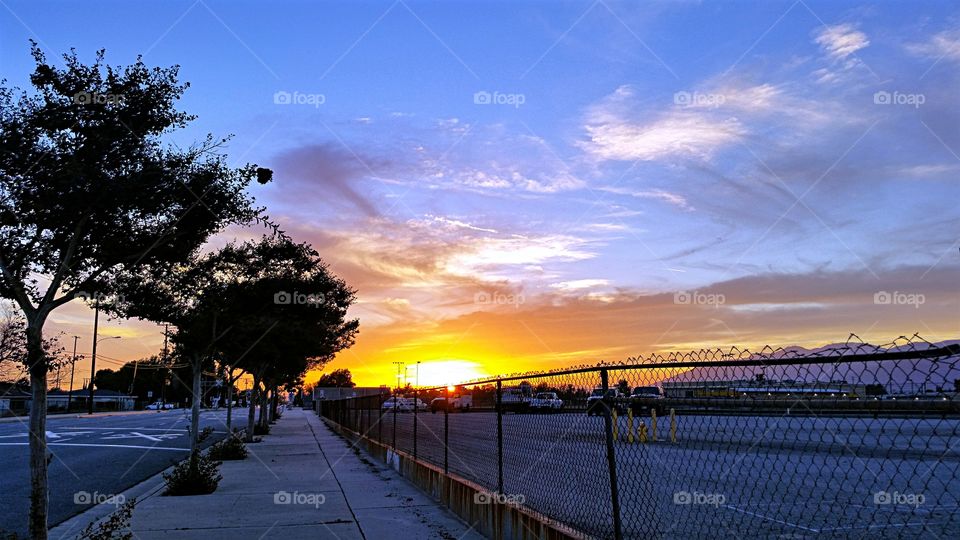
(135, 447)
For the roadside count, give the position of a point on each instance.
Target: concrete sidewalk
(302, 481)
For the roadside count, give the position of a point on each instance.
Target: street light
(93, 359)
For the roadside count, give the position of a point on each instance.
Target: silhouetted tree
(87, 189)
(338, 378)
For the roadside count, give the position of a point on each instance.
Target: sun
(446, 372)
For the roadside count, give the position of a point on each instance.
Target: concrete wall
(493, 519)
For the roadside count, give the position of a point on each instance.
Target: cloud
(944, 45)
(674, 135)
(323, 173)
(672, 198)
(579, 284)
(841, 40)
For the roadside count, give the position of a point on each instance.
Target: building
(14, 399)
(103, 400)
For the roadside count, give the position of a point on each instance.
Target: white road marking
(135, 447)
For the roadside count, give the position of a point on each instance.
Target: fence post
(611, 458)
(499, 436)
(416, 402)
(379, 403)
(446, 434)
(395, 422)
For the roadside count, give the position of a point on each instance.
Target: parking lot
(726, 476)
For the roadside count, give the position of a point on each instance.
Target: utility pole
(73, 366)
(163, 382)
(400, 365)
(93, 359)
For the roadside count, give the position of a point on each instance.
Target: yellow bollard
(653, 424)
(643, 432)
(630, 426)
(616, 431)
(673, 426)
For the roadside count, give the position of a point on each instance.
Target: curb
(142, 491)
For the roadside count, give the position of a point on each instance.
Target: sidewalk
(322, 488)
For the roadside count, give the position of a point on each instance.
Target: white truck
(546, 402)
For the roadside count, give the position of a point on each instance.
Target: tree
(295, 316)
(338, 378)
(89, 189)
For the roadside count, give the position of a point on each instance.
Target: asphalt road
(94, 458)
(725, 477)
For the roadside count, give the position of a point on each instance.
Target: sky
(516, 186)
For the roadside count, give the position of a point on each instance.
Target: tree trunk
(37, 364)
(252, 409)
(274, 405)
(195, 413)
(229, 403)
(263, 408)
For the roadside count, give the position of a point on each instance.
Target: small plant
(231, 448)
(205, 433)
(116, 527)
(199, 475)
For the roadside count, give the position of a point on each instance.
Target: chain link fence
(850, 441)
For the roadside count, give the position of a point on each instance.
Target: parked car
(517, 398)
(546, 402)
(156, 406)
(612, 397)
(645, 399)
(396, 403)
(439, 404)
(456, 403)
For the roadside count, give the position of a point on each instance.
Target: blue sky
(794, 158)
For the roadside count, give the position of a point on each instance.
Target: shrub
(261, 430)
(231, 448)
(198, 475)
(116, 527)
(204, 433)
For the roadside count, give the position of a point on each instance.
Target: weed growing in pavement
(116, 527)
